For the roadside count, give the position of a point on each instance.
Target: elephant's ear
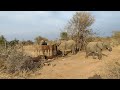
(99, 45)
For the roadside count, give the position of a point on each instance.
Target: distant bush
(64, 35)
(39, 38)
(2, 40)
(28, 42)
(116, 36)
(13, 42)
(90, 39)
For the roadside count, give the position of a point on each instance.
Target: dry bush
(39, 38)
(3, 56)
(14, 60)
(90, 39)
(114, 42)
(115, 38)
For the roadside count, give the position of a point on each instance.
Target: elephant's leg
(78, 48)
(99, 54)
(54, 53)
(72, 51)
(93, 54)
(87, 54)
(63, 53)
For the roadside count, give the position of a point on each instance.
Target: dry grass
(14, 63)
(112, 69)
(33, 50)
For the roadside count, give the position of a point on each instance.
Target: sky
(26, 25)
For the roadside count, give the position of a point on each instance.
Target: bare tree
(78, 27)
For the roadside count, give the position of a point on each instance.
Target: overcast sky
(29, 24)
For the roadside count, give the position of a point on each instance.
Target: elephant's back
(91, 44)
(69, 42)
(67, 45)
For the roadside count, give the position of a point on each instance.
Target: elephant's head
(100, 45)
(107, 46)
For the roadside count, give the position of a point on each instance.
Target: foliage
(64, 35)
(28, 42)
(116, 34)
(13, 42)
(78, 27)
(39, 38)
(2, 40)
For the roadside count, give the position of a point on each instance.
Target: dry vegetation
(112, 70)
(21, 60)
(15, 64)
(13, 60)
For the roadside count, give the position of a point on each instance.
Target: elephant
(97, 48)
(53, 47)
(66, 45)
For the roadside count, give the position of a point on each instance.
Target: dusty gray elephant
(65, 46)
(96, 48)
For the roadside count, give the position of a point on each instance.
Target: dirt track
(76, 66)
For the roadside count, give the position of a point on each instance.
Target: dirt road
(76, 66)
